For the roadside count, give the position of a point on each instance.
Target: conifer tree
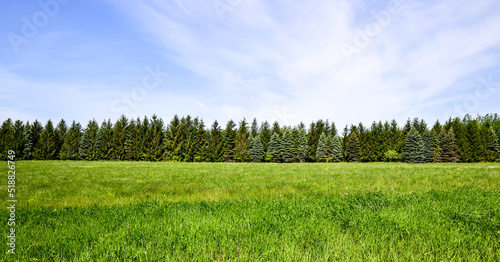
(241, 150)
(46, 147)
(106, 150)
(61, 130)
(119, 138)
(493, 147)
(321, 151)
(274, 148)
(90, 144)
(303, 145)
(474, 149)
(215, 149)
(202, 143)
(448, 148)
(254, 129)
(173, 140)
(353, 153)
(436, 148)
(28, 146)
(157, 139)
(5, 138)
(229, 141)
(256, 152)
(71, 144)
(427, 141)
(345, 142)
(336, 150)
(133, 140)
(265, 135)
(413, 147)
(18, 139)
(294, 143)
(286, 147)
(276, 128)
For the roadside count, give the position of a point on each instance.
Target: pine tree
(254, 130)
(28, 146)
(5, 138)
(353, 152)
(257, 151)
(274, 149)
(46, 147)
(436, 148)
(90, 144)
(427, 141)
(303, 145)
(448, 148)
(321, 150)
(286, 147)
(18, 139)
(119, 138)
(215, 149)
(336, 150)
(71, 144)
(157, 138)
(345, 142)
(265, 135)
(229, 141)
(133, 140)
(413, 147)
(294, 142)
(106, 150)
(202, 143)
(61, 130)
(276, 128)
(474, 150)
(241, 150)
(173, 140)
(494, 146)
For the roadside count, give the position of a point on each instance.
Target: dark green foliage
(119, 138)
(106, 150)
(133, 140)
(353, 152)
(201, 143)
(71, 145)
(229, 141)
(256, 150)
(46, 147)
(254, 129)
(6, 133)
(436, 147)
(413, 147)
(448, 148)
(241, 150)
(274, 149)
(61, 130)
(473, 151)
(265, 135)
(493, 146)
(90, 142)
(427, 140)
(322, 149)
(155, 146)
(303, 146)
(173, 140)
(276, 128)
(336, 149)
(215, 148)
(294, 143)
(286, 147)
(18, 139)
(315, 131)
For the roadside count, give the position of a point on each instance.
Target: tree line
(187, 139)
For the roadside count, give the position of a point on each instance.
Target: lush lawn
(107, 211)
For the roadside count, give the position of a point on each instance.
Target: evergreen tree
(286, 147)
(276, 128)
(303, 145)
(71, 144)
(274, 149)
(474, 149)
(353, 148)
(229, 141)
(254, 130)
(448, 148)
(493, 147)
(5, 138)
(256, 151)
(133, 140)
(215, 149)
(90, 144)
(61, 130)
(18, 139)
(427, 141)
(336, 150)
(173, 140)
(265, 135)
(157, 138)
(202, 143)
(413, 148)
(241, 150)
(106, 150)
(321, 151)
(436, 148)
(294, 143)
(46, 147)
(119, 138)
(345, 142)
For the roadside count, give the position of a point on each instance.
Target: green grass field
(142, 211)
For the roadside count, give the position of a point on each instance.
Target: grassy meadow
(143, 211)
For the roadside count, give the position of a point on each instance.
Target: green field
(142, 211)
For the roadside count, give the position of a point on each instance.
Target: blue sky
(346, 61)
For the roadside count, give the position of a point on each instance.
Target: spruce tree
(427, 141)
(493, 147)
(133, 140)
(274, 148)
(303, 145)
(173, 140)
(119, 138)
(46, 147)
(28, 146)
(436, 148)
(229, 141)
(241, 150)
(449, 151)
(413, 147)
(106, 150)
(474, 149)
(18, 139)
(276, 128)
(353, 152)
(257, 151)
(265, 135)
(157, 135)
(254, 129)
(202, 143)
(286, 147)
(215, 148)
(71, 144)
(321, 150)
(61, 130)
(90, 144)
(336, 150)
(5, 138)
